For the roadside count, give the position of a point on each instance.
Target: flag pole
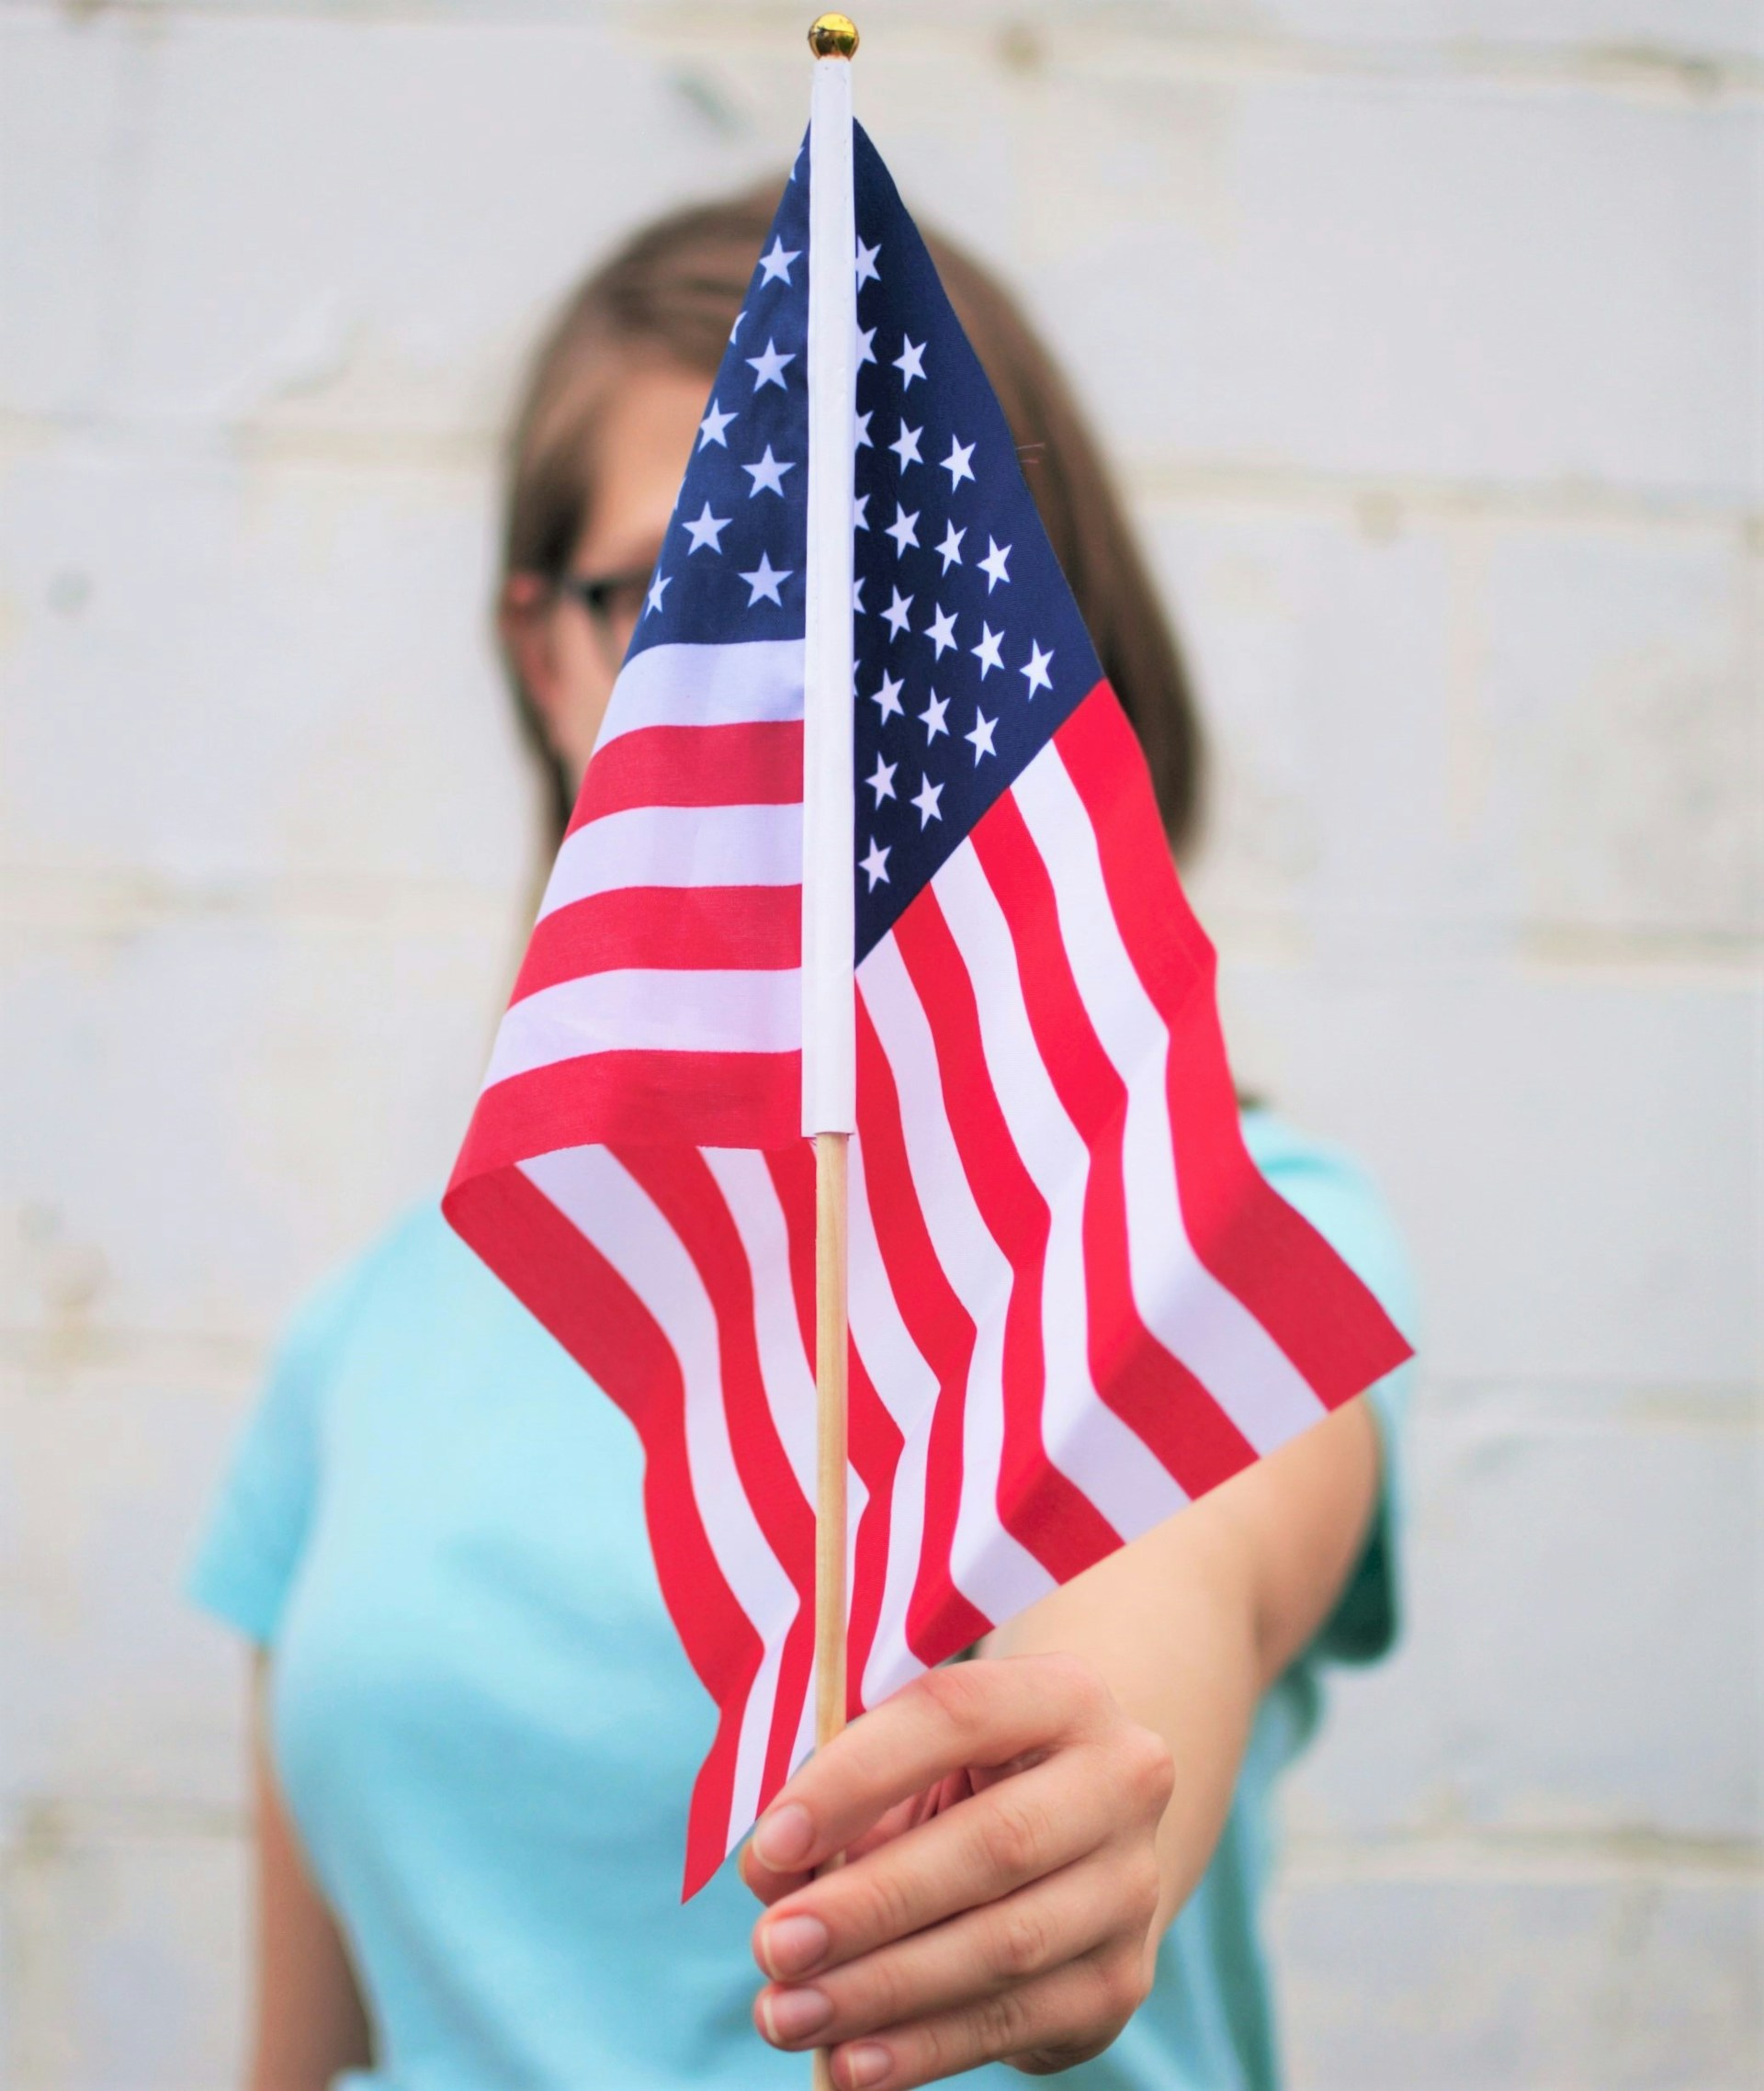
(829, 1038)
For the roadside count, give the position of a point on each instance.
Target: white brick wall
(1429, 338)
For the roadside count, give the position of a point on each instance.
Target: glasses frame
(596, 594)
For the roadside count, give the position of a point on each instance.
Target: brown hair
(672, 291)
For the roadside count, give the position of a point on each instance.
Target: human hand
(1000, 1821)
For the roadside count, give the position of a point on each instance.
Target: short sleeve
(257, 1526)
(1344, 1205)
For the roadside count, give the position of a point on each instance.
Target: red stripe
(755, 763)
(1039, 1505)
(679, 1182)
(1152, 1392)
(1252, 1241)
(940, 1620)
(558, 1275)
(876, 1445)
(649, 1099)
(666, 928)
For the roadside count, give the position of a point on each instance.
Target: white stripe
(606, 1204)
(1179, 1300)
(752, 1201)
(745, 683)
(994, 1571)
(906, 1387)
(677, 845)
(1085, 1439)
(636, 1010)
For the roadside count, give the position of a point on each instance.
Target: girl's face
(568, 640)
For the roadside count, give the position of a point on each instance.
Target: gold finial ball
(833, 36)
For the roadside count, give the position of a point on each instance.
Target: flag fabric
(1075, 1304)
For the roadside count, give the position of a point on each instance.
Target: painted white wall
(1426, 334)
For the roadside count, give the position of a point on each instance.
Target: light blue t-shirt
(486, 1731)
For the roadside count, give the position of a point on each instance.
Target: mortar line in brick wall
(200, 1362)
(1644, 69)
(123, 903)
(39, 1827)
(1380, 501)
(1561, 1856)
(1551, 1404)
(1380, 942)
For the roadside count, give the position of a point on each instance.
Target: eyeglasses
(613, 603)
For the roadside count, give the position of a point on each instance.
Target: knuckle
(1145, 1885)
(1153, 1767)
(956, 1693)
(1022, 1946)
(1001, 2024)
(1015, 1833)
(878, 1906)
(1120, 1990)
(884, 1998)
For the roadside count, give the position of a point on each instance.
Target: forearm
(1191, 1624)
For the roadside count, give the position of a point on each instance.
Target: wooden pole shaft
(829, 1435)
(829, 1439)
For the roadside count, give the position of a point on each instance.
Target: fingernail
(792, 1945)
(794, 2013)
(784, 1838)
(864, 2065)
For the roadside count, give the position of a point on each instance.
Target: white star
(882, 783)
(896, 615)
(957, 464)
(863, 427)
(857, 597)
(706, 530)
(931, 717)
(901, 529)
(865, 352)
(867, 271)
(875, 863)
(767, 474)
(739, 318)
(980, 739)
(776, 264)
(764, 581)
(710, 430)
(940, 631)
(910, 363)
(861, 513)
(906, 446)
(951, 547)
(929, 794)
(768, 367)
(657, 588)
(887, 696)
(992, 565)
(1034, 670)
(986, 652)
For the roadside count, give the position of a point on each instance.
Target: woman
(477, 1730)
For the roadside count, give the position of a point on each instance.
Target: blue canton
(970, 650)
(732, 563)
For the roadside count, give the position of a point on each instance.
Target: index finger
(990, 1714)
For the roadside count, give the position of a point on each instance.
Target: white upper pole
(829, 1037)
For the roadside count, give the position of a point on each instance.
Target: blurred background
(1427, 335)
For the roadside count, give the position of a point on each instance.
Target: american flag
(1075, 1304)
